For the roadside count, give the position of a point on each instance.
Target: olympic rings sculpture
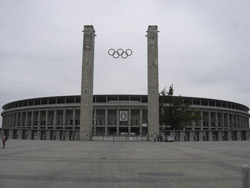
(120, 53)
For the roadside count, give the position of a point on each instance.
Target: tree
(174, 112)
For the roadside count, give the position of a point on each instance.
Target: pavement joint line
(118, 180)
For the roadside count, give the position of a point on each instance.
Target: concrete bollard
(245, 176)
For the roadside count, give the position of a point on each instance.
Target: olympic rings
(120, 53)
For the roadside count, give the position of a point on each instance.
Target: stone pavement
(74, 164)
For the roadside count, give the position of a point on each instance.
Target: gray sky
(204, 47)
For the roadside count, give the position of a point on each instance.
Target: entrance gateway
(86, 112)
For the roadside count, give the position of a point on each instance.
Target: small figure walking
(4, 138)
(155, 138)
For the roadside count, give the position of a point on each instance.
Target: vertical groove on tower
(87, 83)
(153, 88)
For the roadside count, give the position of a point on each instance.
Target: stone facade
(153, 88)
(58, 118)
(87, 83)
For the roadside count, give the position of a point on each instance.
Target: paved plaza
(76, 164)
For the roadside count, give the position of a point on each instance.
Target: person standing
(3, 139)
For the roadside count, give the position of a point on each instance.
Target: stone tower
(87, 83)
(153, 88)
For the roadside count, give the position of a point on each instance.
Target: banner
(123, 115)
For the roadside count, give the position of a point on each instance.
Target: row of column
(210, 135)
(43, 134)
(19, 120)
(32, 120)
(106, 125)
(226, 121)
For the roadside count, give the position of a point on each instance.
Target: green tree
(174, 112)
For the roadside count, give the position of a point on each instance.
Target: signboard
(123, 115)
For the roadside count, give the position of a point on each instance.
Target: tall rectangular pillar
(46, 119)
(216, 121)
(74, 119)
(86, 115)
(39, 120)
(222, 121)
(54, 120)
(129, 121)
(94, 133)
(153, 86)
(64, 119)
(106, 122)
(26, 120)
(201, 121)
(140, 122)
(209, 121)
(117, 122)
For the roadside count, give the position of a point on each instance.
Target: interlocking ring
(120, 53)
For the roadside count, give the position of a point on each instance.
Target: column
(117, 122)
(201, 114)
(55, 114)
(222, 120)
(16, 120)
(9, 121)
(153, 88)
(26, 120)
(228, 121)
(64, 119)
(240, 122)
(46, 119)
(21, 120)
(32, 120)
(6, 120)
(86, 111)
(210, 135)
(48, 135)
(39, 120)
(238, 135)
(193, 124)
(12, 120)
(216, 121)
(74, 119)
(233, 123)
(95, 122)
(246, 122)
(239, 126)
(140, 121)
(236, 121)
(106, 122)
(209, 121)
(220, 136)
(129, 121)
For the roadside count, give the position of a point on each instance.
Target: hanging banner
(123, 115)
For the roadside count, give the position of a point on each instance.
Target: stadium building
(120, 117)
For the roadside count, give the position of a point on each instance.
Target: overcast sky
(204, 47)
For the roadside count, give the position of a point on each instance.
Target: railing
(120, 138)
